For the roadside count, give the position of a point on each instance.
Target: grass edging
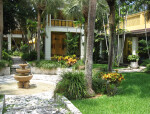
(67, 103)
(2, 105)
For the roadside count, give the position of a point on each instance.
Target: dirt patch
(35, 87)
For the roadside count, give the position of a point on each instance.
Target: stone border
(2, 105)
(67, 104)
(5, 71)
(57, 71)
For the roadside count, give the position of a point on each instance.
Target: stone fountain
(23, 76)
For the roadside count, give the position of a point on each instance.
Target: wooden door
(58, 44)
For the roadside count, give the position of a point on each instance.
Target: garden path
(125, 70)
(38, 99)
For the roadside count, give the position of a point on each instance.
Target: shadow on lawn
(137, 84)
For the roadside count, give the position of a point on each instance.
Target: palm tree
(111, 4)
(78, 9)
(90, 42)
(44, 7)
(1, 27)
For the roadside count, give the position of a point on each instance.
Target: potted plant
(133, 61)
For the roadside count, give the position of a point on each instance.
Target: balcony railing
(16, 32)
(64, 23)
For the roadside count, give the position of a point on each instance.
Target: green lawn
(1, 96)
(104, 66)
(133, 98)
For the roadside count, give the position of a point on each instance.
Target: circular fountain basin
(23, 65)
(23, 78)
(23, 71)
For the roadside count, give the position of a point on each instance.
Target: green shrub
(31, 56)
(145, 62)
(72, 85)
(4, 63)
(147, 68)
(25, 56)
(16, 53)
(24, 48)
(98, 84)
(47, 64)
(6, 56)
(133, 58)
(77, 64)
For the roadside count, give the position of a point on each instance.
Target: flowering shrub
(112, 82)
(113, 77)
(69, 60)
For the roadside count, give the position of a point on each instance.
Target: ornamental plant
(113, 80)
(68, 60)
(113, 77)
(133, 58)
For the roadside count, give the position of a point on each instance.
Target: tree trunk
(85, 35)
(1, 27)
(38, 34)
(90, 43)
(111, 4)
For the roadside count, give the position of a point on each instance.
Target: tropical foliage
(72, 85)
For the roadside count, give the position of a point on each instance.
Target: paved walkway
(29, 101)
(16, 61)
(124, 70)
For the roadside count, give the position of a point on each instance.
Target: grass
(133, 98)
(1, 96)
(104, 67)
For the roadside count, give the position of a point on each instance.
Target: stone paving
(34, 103)
(41, 103)
(124, 70)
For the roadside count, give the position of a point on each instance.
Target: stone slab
(67, 103)
(5, 71)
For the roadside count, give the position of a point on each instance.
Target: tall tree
(44, 7)
(111, 4)
(1, 27)
(90, 42)
(78, 9)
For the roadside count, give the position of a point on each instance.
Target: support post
(82, 41)
(134, 45)
(9, 42)
(48, 45)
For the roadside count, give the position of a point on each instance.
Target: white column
(120, 49)
(82, 41)
(9, 41)
(134, 45)
(48, 44)
(50, 18)
(101, 49)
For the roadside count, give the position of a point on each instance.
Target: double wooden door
(58, 44)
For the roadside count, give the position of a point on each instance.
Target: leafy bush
(113, 80)
(6, 56)
(78, 64)
(31, 56)
(133, 57)
(65, 61)
(72, 85)
(25, 56)
(4, 63)
(24, 48)
(47, 64)
(145, 62)
(147, 68)
(72, 42)
(98, 84)
(16, 53)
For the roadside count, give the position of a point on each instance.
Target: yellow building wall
(135, 22)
